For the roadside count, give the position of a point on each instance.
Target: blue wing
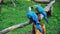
(33, 17)
(39, 27)
(41, 10)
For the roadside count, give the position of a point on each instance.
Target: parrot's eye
(32, 7)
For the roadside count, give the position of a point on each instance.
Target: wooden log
(14, 27)
(48, 7)
(50, 12)
(0, 1)
(43, 28)
(42, 1)
(36, 31)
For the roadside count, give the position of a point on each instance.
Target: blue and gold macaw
(33, 18)
(41, 11)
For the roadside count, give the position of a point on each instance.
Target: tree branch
(14, 27)
(48, 7)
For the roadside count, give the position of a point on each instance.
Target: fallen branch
(48, 7)
(14, 27)
(42, 1)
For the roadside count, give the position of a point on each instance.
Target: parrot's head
(30, 8)
(36, 5)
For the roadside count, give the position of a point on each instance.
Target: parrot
(33, 18)
(41, 11)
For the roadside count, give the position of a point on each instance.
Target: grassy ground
(15, 15)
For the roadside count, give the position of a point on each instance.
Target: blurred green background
(14, 15)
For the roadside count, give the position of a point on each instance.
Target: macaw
(41, 11)
(33, 18)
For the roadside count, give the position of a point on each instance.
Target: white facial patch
(30, 8)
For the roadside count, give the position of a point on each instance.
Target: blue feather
(42, 11)
(34, 18)
(39, 27)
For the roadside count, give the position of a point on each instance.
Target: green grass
(14, 15)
